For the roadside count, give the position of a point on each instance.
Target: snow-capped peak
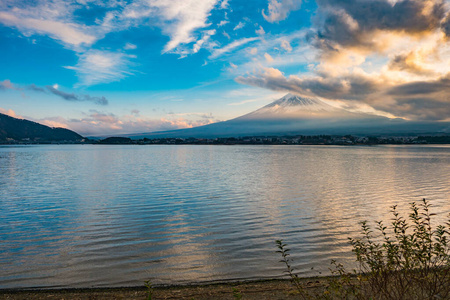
(305, 103)
(293, 106)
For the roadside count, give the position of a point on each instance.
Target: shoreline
(252, 289)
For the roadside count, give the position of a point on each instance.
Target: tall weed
(410, 259)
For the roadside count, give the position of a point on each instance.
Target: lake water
(91, 215)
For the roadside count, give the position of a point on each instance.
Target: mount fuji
(297, 108)
(296, 115)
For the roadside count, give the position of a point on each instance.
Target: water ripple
(83, 216)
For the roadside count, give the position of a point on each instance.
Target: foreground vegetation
(408, 260)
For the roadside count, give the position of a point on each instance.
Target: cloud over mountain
(391, 55)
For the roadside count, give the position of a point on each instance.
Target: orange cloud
(10, 112)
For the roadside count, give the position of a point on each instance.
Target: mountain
(293, 107)
(294, 115)
(13, 129)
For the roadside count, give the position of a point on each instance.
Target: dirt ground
(256, 290)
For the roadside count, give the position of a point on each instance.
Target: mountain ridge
(14, 129)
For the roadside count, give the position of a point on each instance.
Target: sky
(118, 66)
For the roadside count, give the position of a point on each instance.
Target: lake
(101, 215)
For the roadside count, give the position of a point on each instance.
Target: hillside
(13, 129)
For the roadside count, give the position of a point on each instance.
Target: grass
(410, 259)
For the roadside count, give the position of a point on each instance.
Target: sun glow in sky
(105, 67)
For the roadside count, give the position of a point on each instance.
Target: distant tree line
(282, 140)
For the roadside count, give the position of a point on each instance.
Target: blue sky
(106, 67)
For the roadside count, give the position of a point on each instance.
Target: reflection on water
(81, 216)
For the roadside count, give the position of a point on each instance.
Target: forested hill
(19, 130)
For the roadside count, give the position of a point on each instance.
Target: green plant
(149, 287)
(237, 294)
(409, 260)
(342, 284)
(289, 269)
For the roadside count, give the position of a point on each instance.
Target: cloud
(97, 66)
(423, 100)
(177, 18)
(230, 47)
(421, 88)
(224, 4)
(104, 123)
(10, 112)
(389, 56)
(68, 33)
(242, 102)
(206, 36)
(240, 25)
(60, 19)
(253, 51)
(76, 98)
(185, 16)
(260, 31)
(286, 45)
(446, 25)
(410, 62)
(35, 88)
(278, 10)
(353, 23)
(6, 85)
(348, 87)
(129, 46)
(268, 58)
(226, 35)
(223, 23)
(107, 118)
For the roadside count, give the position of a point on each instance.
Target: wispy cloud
(54, 89)
(77, 98)
(242, 102)
(230, 47)
(97, 66)
(268, 58)
(240, 25)
(223, 23)
(35, 88)
(46, 19)
(183, 17)
(177, 18)
(205, 37)
(129, 46)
